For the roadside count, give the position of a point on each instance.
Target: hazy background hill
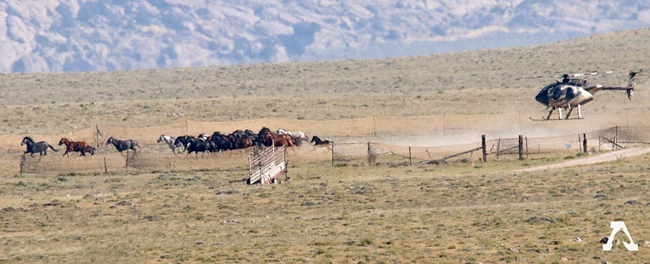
(72, 35)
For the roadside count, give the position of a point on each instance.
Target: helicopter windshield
(542, 96)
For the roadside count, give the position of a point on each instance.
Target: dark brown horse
(242, 143)
(78, 146)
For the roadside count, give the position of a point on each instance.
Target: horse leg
(66, 153)
(294, 150)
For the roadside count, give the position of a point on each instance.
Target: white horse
(170, 142)
(298, 134)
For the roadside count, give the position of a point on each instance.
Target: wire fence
(374, 153)
(157, 157)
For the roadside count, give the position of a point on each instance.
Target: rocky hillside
(80, 35)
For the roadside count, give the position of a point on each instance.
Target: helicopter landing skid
(565, 119)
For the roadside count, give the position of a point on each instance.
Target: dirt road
(611, 156)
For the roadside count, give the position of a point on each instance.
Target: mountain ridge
(65, 36)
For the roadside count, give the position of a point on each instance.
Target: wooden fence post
(579, 142)
(584, 142)
(526, 147)
(105, 167)
(521, 147)
(249, 165)
(369, 155)
(410, 157)
(498, 148)
(484, 147)
(98, 135)
(374, 126)
(333, 154)
(615, 136)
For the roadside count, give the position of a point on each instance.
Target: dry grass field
(455, 213)
(470, 212)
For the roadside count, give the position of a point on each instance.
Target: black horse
(262, 140)
(122, 145)
(319, 142)
(196, 145)
(33, 147)
(223, 142)
(185, 140)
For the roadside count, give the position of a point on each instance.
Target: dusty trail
(611, 156)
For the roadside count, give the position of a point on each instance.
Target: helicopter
(572, 92)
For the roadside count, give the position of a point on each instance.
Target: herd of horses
(217, 141)
(238, 139)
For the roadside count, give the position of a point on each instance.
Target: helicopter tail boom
(631, 84)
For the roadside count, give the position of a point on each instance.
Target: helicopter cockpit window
(546, 88)
(557, 92)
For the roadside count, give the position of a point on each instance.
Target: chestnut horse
(279, 140)
(79, 146)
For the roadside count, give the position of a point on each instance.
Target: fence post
(369, 155)
(105, 167)
(410, 157)
(599, 143)
(498, 148)
(374, 126)
(484, 147)
(333, 154)
(526, 147)
(584, 142)
(521, 147)
(249, 165)
(615, 136)
(98, 135)
(579, 142)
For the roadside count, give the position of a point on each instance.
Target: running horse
(76, 146)
(319, 142)
(122, 145)
(169, 140)
(33, 147)
(278, 140)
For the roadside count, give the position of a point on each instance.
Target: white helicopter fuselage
(579, 97)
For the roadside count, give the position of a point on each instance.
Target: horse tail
(55, 150)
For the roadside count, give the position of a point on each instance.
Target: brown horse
(242, 143)
(79, 146)
(278, 140)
